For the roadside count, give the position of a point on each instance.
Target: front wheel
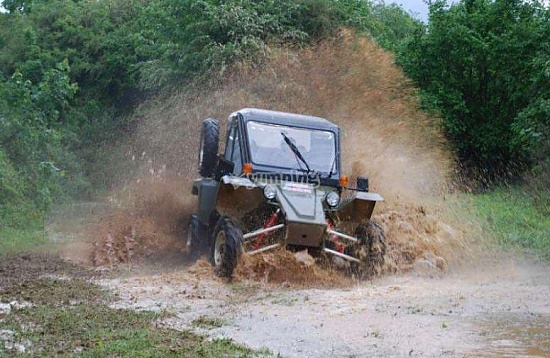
(370, 249)
(226, 248)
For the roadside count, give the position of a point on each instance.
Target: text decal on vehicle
(297, 187)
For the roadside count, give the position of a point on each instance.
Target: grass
(511, 216)
(70, 316)
(19, 240)
(285, 301)
(208, 322)
(95, 330)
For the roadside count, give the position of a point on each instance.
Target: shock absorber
(271, 221)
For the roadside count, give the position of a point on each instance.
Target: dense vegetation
(74, 69)
(485, 66)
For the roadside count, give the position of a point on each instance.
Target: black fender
(359, 207)
(207, 191)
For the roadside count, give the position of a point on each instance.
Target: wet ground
(494, 306)
(492, 310)
(20, 268)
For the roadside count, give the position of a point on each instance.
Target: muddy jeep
(279, 183)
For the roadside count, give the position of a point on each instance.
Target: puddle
(517, 336)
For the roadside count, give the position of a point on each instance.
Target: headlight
(270, 191)
(333, 199)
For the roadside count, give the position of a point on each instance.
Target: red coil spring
(335, 239)
(271, 221)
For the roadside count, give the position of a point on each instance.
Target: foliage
(484, 65)
(33, 153)
(15, 209)
(207, 36)
(393, 25)
(117, 49)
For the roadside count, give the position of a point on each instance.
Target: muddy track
(502, 310)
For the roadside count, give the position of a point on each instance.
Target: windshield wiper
(332, 168)
(296, 151)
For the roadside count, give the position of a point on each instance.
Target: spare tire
(208, 152)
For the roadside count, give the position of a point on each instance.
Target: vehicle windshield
(268, 147)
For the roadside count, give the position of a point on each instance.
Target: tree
(34, 153)
(477, 64)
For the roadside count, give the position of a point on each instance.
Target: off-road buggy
(279, 183)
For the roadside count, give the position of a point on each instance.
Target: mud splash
(149, 219)
(417, 240)
(350, 81)
(282, 267)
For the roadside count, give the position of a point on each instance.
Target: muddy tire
(197, 238)
(370, 249)
(208, 152)
(226, 247)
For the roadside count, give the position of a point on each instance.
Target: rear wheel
(226, 247)
(208, 152)
(370, 249)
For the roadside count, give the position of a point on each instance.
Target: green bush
(16, 209)
(34, 154)
(484, 65)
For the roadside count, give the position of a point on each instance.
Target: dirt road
(494, 310)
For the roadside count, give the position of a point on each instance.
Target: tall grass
(515, 220)
(22, 240)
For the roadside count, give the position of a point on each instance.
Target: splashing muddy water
(350, 81)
